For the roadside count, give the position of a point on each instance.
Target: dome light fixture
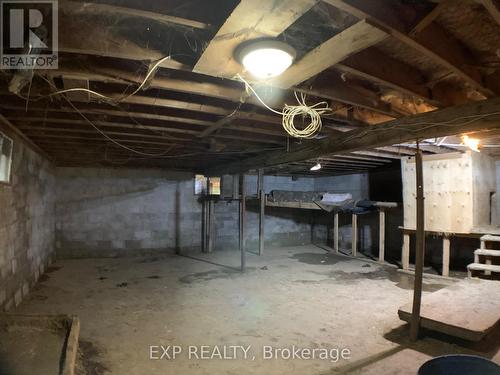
(316, 167)
(265, 58)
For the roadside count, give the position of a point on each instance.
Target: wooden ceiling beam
(76, 9)
(338, 92)
(422, 126)
(251, 19)
(51, 121)
(97, 39)
(348, 42)
(98, 111)
(432, 41)
(493, 8)
(375, 66)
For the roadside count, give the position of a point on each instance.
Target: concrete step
(487, 252)
(483, 267)
(490, 238)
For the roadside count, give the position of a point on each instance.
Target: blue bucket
(459, 365)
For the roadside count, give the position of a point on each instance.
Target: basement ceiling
(404, 58)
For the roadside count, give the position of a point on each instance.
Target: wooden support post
(354, 235)
(381, 236)
(446, 256)
(405, 256)
(211, 225)
(336, 231)
(203, 225)
(262, 207)
(242, 221)
(420, 249)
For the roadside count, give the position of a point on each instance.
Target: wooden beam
(420, 249)
(493, 7)
(350, 41)
(381, 236)
(242, 221)
(331, 86)
(375, 66)
(430, 17)
(85, 8)
(96, 110)
(262, 207)
(422, 126)
(336, 232)
(433, 41)
(354, 236)
(251, 19)
(83, 37)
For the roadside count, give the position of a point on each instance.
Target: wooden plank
(433, 41)
(251, 19)
(86, 8)
(262, 207)
(83, 37)
(98, 111)
(446, 256)
(430, 17)
(381, 236)
(336, 232)
(211, 225)
(354, 39)
(354, 243)
(332, 86)
(405, 256)
(375, 66)
(493, 7)
(468, 309)
(440, 123)
(420, 249)
(242, 221)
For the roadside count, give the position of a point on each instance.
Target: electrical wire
(100, 131)
(290, 112)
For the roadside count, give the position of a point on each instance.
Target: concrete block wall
(27, 222)
(284, 227)
(123, 212)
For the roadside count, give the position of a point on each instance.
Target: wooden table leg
(336, 232)
(381, 242)
(405, 256)
(354, 235)
(446, 256)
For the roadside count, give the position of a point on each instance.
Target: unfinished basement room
(250, 187)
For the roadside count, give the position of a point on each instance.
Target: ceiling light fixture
(472, 143)
(316, 167)
(265, 58)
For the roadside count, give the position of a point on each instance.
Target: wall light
(316, 167)
(472, 143)
(265, 58)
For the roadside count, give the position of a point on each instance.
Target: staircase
(486, 260)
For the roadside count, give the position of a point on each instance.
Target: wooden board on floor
(469, 309)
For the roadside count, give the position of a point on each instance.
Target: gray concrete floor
(291, 296)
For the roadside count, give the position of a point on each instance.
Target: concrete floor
(291, 296)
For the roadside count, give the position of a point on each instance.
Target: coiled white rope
(290, 112)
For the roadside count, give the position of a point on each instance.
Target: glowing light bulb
(316, 167)
(472, 143)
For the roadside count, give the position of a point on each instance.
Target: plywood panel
(457, 188)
